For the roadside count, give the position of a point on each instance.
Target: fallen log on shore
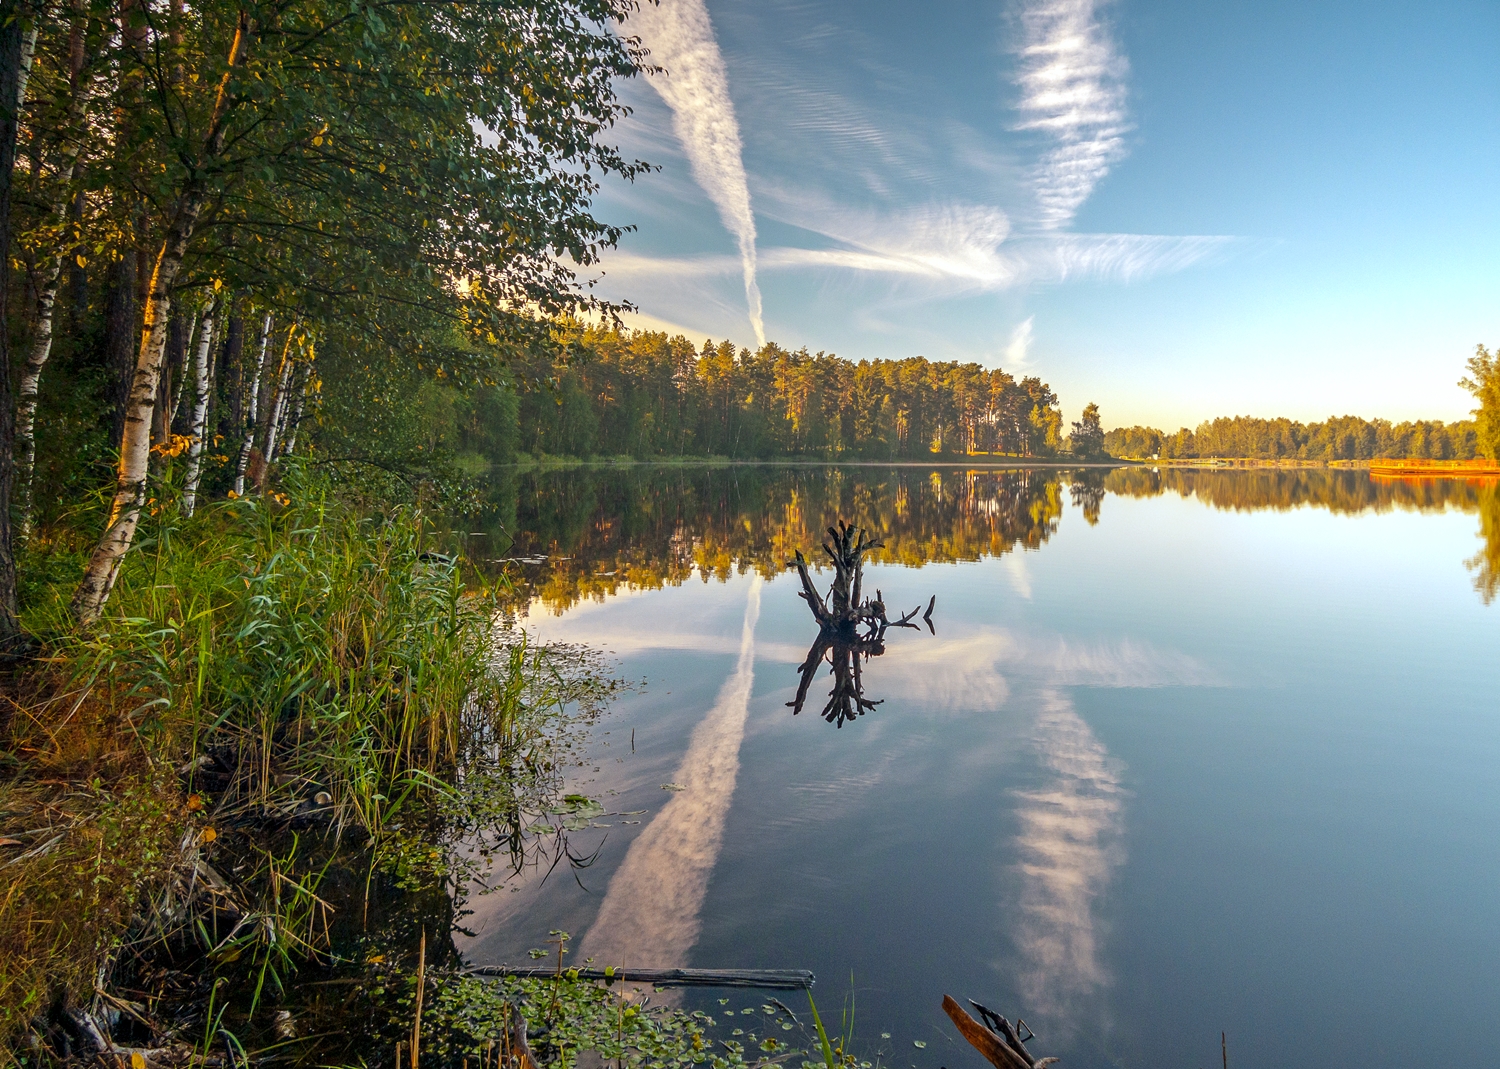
(768, 979)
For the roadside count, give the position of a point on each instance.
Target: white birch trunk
(26, 400)
(299, 402)
(252, 409)
(28, 55)
(180, 395)
(275, 424)
(202, 386)
(135, 441)
(40, 349)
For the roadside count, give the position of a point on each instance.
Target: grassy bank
(239, 817)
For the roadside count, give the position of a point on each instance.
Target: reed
(297, 647)
(296, 659)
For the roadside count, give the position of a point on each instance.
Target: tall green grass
(308, 646)
(299, 657)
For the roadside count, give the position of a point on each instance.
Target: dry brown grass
(88, 827)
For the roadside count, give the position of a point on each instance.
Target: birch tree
(329, 159)
(252, 407)
(16, 37)
(63, 150)
(202, 382)
(135, 444)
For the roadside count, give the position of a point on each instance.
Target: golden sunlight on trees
(1483, 381)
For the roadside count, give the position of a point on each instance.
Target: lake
(1190, 752)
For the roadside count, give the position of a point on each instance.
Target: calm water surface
(1188, 753)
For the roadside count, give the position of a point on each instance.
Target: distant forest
(1336, 438)
(645, 394)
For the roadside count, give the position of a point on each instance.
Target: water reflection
(1486, 563)
(840, 615)
(1214, 692)
(604, 530)
(651, 914)
(1087, 492)
(591, 532)
(1068, 847)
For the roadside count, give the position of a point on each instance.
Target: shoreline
(1407, 466)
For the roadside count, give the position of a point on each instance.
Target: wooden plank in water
(769, 979)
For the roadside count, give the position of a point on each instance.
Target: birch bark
(13, 61)
(26, 399)
(46, 303)
(278, 408)
(299, 402)
(252, 408)
(135, 444)
(202, 386)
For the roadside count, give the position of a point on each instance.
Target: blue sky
(1177, 210)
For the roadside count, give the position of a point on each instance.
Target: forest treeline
(646, 394)
(1336, 438)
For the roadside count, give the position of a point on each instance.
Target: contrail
(681, 39)
(650, 915)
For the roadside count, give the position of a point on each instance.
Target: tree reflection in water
(1486, 563)
(850, 630)
(586, 533)
(1087, 492)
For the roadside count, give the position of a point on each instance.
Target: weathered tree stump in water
(997, 1039)
(842, 613)
(849, 629)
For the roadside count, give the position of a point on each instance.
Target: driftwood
(842, 612)
(998, 1040)
(769, 979)
(850, 630)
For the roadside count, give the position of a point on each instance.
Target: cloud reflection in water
(1068, 845)
(650, 917)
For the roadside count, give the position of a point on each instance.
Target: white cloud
(1017, 356)
(1072, 81)
(951, 249)
(694, 85)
